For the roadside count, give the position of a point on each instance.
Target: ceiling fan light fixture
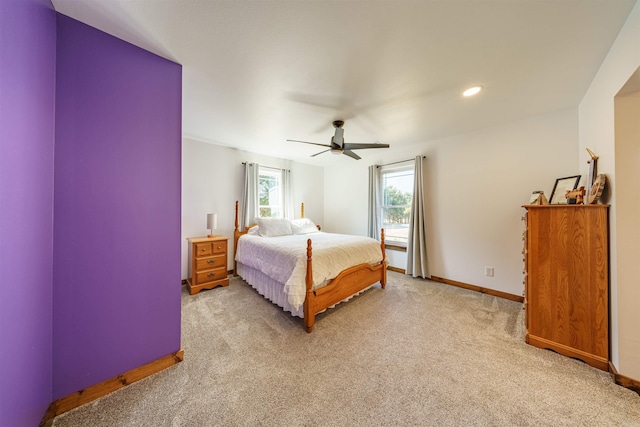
(338, 146)
(472, 91)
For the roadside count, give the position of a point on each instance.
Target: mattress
(283, 260)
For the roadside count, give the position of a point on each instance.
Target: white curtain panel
(417, 244)
(250, 194)
(375, 202)
(287, 194)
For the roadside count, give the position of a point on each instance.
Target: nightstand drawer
(210, 248)
(211, 262)
(203, 249)
(219, 247)
(211, 275)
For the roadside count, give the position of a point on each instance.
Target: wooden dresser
(207, 263)
(566, 277)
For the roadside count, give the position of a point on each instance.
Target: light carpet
(415, 353)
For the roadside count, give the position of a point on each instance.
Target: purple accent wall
(27, 66)
(116, 263)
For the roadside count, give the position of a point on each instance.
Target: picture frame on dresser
(561, 186)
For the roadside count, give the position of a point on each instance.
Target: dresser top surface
(566, 206)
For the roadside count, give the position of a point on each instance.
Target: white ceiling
(256, 73)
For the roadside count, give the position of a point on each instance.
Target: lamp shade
(212, 221)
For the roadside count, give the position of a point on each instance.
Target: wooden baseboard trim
(396, 269)
(93, 392)
(480, 289)
(623, 381)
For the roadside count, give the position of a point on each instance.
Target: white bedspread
(284, 258)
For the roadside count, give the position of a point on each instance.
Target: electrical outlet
(488, 271)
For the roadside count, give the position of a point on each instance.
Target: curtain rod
(399, 161)
(267, 167)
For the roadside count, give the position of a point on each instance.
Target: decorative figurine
(575, 197)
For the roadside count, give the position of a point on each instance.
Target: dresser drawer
(211, 275)
(211, 262)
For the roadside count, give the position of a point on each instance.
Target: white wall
(597, 132)
(477, 185)
(212, 179)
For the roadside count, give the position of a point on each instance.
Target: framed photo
(560, 188)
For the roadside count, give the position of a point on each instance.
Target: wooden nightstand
(207, 263)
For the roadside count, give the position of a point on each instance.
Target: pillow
(272, 227)
(303, 226)
(253, 231)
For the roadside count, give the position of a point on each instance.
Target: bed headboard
(238, 232)
(247, 228)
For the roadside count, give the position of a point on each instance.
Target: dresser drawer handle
(203, 249)
(211, 275)
(219, 247)
(211, 261)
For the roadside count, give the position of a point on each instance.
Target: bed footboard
(348, 283)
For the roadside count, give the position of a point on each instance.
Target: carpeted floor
(415, 353)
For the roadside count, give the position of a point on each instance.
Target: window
(397, 194)
(270, 198)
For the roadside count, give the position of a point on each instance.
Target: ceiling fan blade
(313, 155)
(307, 142)
(348, 146)
(351, 154)
(338, 138)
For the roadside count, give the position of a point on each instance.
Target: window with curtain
(270, 193)
(395, 209)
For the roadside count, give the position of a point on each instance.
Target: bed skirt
(274, 291)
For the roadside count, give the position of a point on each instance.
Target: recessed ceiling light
(472, 91)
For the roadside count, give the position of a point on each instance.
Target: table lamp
(212, 223)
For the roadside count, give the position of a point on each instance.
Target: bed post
(236, 235)
(383, 281)
(302, 210)
(309, 315)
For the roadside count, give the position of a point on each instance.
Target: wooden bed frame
(348, 283)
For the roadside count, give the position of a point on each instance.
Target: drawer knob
(211, 275)
(219, 247)
(211, 261)
(203, 249)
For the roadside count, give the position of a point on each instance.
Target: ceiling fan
(338, 146)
